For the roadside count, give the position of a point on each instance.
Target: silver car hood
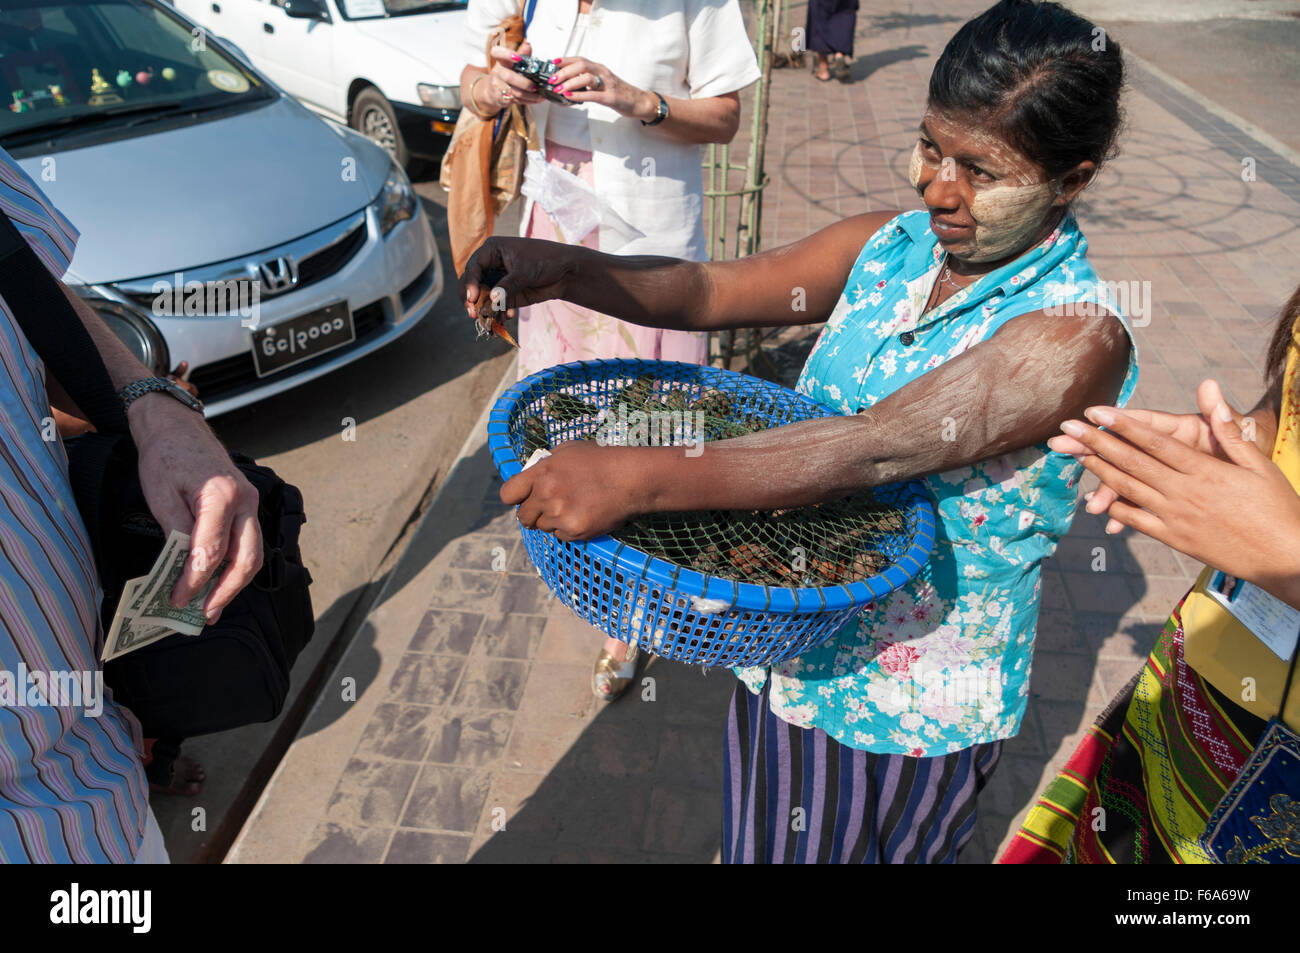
(205, 193)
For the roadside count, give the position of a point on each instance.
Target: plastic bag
(574, 205)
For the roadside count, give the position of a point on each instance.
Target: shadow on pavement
(863, 66)
(897, 20)
(642, 783)
(470, 480)
(242, 760)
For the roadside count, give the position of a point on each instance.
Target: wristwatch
(662, 113)
(147, 385)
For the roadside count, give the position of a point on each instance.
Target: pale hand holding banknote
(145, 614)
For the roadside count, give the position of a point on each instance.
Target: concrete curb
(473, 441)
(1210, 106)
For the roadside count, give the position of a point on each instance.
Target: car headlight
(397, 200)
(439, 97)
(141, 337)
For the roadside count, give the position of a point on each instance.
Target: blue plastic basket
(675, 612)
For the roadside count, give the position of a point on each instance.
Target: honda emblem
(277, 275)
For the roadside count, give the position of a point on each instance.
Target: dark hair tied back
(1280, 345)
(1047, 79)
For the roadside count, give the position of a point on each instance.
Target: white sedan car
(388, 68)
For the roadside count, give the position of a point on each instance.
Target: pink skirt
(556, 332)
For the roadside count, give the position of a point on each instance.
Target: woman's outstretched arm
(794, 284)
(1003, 394)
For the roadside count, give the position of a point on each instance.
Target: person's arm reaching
(794, 284)
(189, 481)
(1259, 426)
(1005, 393)
(1234, 510)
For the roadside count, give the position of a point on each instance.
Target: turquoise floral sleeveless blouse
(942, 664)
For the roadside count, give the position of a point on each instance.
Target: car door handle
(267, 28)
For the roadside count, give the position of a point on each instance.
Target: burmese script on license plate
(285, 344)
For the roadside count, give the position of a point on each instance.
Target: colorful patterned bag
(1258, 819)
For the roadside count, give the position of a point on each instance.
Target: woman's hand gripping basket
(729, 587)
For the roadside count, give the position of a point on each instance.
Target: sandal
(840, 68)
(611, 677)
(186, 780)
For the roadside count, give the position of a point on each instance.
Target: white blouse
(683, 49)
(569, 126)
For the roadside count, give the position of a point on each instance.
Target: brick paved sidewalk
(470, 703)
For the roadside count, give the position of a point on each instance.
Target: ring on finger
(597, 82)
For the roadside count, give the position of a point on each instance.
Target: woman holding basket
(956, 340)
(620, 161)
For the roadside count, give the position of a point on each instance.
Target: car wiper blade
(63, 126)
(60, 125)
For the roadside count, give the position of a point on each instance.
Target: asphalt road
(413, 404)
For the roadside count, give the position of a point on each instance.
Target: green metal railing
(729, 237)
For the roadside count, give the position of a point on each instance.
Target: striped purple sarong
(795, 796)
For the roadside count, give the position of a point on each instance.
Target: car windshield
(67, 67)
(372, 9)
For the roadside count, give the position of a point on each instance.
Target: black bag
(234, 673)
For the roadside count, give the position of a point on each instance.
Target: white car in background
(390, 69)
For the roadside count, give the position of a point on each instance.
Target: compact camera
(540, 72)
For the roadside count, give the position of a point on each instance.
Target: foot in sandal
(615, 669)
(186, 781)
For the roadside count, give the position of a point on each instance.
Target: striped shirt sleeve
(51, 236)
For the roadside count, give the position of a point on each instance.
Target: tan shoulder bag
(483, 168)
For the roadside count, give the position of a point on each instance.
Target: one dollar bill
(129, 633)
(145, 613)
(153, 604)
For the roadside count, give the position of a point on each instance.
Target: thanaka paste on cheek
(915, 166)
(1007, 218)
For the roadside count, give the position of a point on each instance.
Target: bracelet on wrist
(660, 114)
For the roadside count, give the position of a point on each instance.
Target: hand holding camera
(501, 86)
(569, 79)
(540, 72)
